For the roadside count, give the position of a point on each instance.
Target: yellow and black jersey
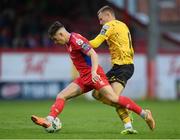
(118, 38)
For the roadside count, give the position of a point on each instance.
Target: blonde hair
(106, 8)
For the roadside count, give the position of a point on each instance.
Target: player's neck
(111, 19)
(68, 35)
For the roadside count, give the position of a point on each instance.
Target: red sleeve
(81, 43)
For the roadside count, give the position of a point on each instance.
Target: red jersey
(78, 47)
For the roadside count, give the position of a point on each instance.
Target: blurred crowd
(24, 23)
(21, 25)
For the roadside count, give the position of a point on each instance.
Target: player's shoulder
(119, 23)
(78, 36)
(104, 29)
(109, 24)
(79, 41)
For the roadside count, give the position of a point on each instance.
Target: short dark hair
(106, 8)
(54, 28)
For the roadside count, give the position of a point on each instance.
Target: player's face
(103, 18)
(59, 38)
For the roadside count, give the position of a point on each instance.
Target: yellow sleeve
(96, 42)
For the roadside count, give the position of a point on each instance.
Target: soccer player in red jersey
(91, 77)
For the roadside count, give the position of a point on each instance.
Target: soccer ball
(56, 125)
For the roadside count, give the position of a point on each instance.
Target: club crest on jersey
(79, 42)
(104, 29)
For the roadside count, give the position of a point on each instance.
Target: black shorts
(120, 73)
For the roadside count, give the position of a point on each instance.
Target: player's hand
(95, 77)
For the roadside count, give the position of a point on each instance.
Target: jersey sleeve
(96, 42)
(82, 44)
(103, 35)
(105, 31)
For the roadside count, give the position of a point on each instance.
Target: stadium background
(39, 69)
(33, 68)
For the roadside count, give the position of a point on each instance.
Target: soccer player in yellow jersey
(118, 38)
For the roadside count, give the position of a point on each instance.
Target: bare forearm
(94, 62)
(94, 59)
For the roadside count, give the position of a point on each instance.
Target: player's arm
(94, 61)
(95, 43)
